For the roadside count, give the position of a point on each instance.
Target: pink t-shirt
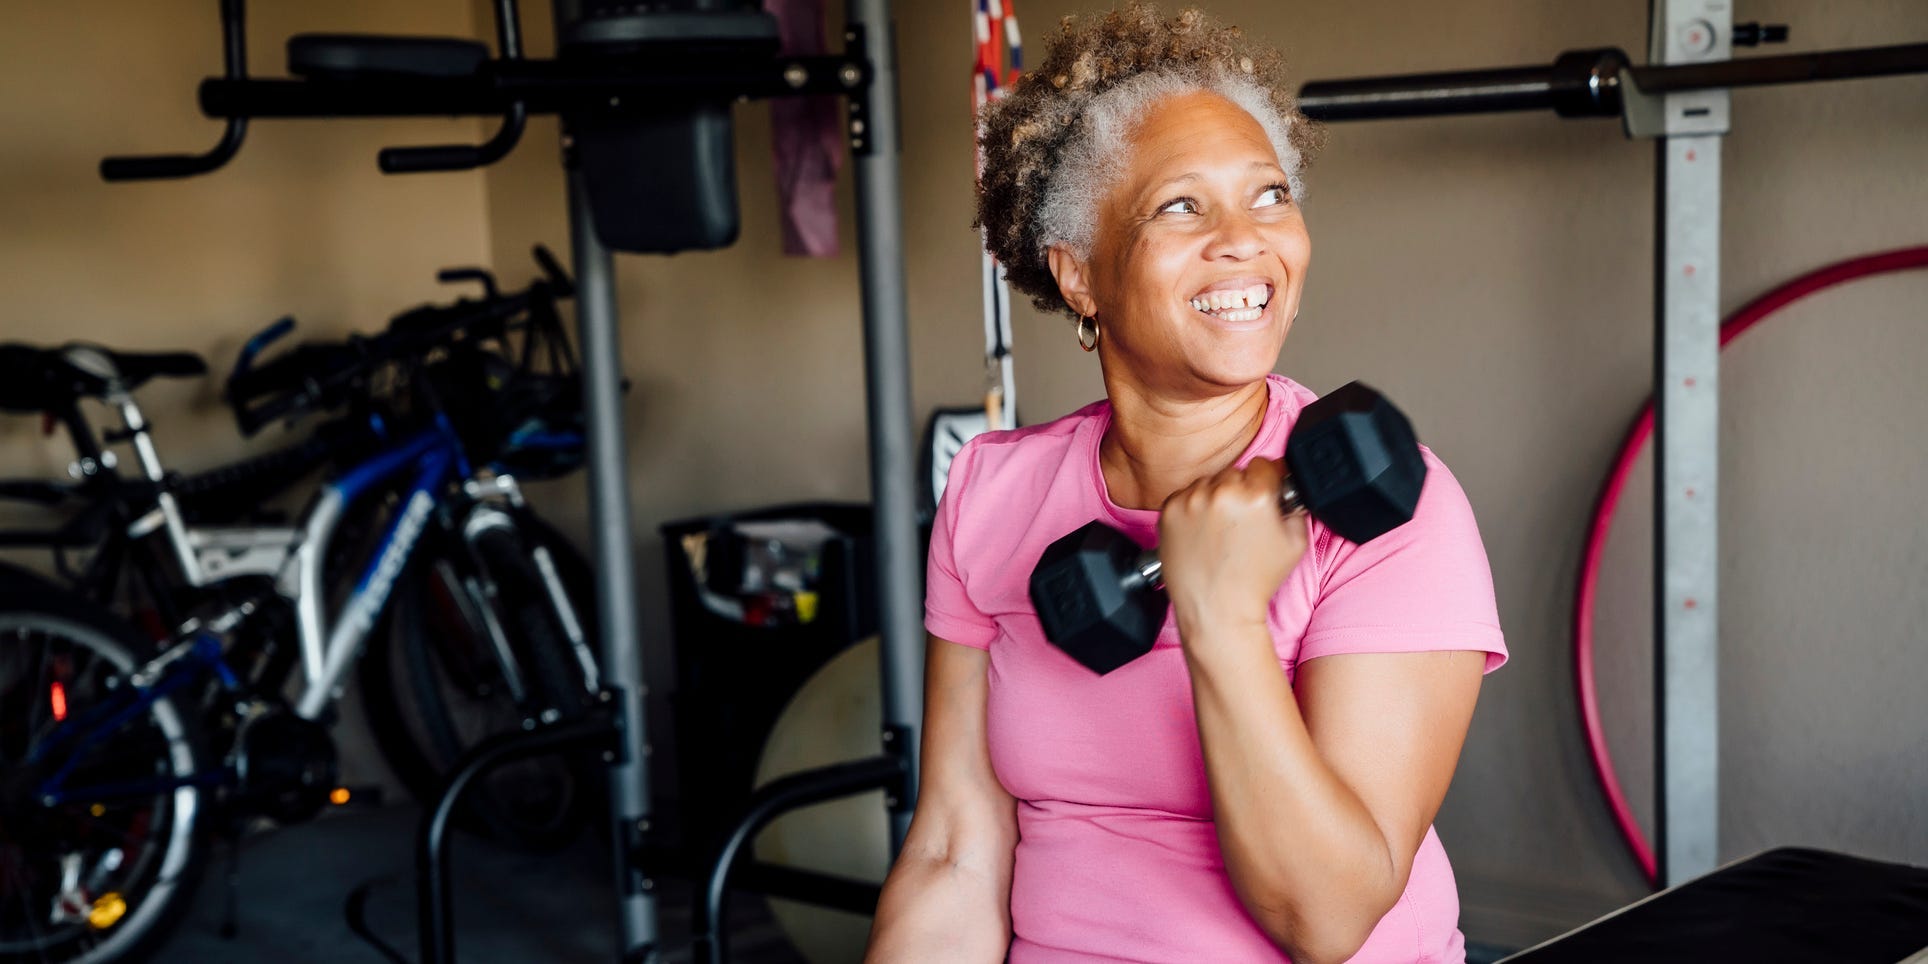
(1117, 858)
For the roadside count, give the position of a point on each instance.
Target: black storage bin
(733, 679)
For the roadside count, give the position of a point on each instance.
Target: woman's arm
(948, 898)
(1321, 799)
(1322, 802)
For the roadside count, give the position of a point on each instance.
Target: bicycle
(117, 762)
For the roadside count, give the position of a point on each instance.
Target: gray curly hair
(1054, 147)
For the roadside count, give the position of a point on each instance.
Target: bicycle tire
(431, 689)
(155, 882)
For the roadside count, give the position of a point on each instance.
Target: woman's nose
(1236, 237)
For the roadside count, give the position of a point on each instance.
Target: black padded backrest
(661, 173)
(339, 56)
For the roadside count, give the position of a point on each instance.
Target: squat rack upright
(1680, 101)
(644, 92)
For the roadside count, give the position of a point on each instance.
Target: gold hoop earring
(1088, 342)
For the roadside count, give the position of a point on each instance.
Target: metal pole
(1687, 445)
(1587, 83)
(900, 563)
(622, 654)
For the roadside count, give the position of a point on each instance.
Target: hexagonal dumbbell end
(1355, 463)
(1091, 600)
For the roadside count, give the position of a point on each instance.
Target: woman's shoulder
(1046, 441)
(997, 464)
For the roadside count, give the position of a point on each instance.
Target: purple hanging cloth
(808, 141)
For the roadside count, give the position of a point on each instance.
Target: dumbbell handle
(1150, 571)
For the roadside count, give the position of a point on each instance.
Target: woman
(1262, 784)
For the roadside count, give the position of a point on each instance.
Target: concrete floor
(510, 908)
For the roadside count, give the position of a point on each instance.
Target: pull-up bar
(644, 93)
(1681, 101)
(1588, 83)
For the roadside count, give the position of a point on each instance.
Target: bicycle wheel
(101, 879)
(434, 685)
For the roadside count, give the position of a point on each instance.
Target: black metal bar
(545, 86)
(388, 97)
(768, 803)
(810, 887)
(1416, 95)
(508, 31)
(1804, 68)
(434, 919)
(234, 61)
(1586, 83)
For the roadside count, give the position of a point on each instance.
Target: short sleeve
(948, 612)
(1421, 587)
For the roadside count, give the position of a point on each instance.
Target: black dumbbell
(1352, 461)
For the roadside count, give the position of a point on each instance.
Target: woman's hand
(1226, 548)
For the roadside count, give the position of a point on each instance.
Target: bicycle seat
(36, 379)
(340, 56)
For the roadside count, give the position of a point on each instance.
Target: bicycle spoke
(34, 935)
(40, 673)
(100, 844)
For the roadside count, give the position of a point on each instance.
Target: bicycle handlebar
(276, 330)
(314, 375)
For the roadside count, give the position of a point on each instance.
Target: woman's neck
(1156, 446)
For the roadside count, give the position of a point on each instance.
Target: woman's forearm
(1303, 852)
(934, 909)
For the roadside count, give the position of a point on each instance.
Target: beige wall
(1491, 274)
(300, 223)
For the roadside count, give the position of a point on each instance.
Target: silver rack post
(900, 563)
(622, 653)
(1687, 444)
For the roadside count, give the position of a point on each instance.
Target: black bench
(1784, 905)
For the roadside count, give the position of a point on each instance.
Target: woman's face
(1200, 257)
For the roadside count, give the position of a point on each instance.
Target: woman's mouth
(1234, 304)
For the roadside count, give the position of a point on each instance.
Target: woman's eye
(1276, 194)
(1183, 205)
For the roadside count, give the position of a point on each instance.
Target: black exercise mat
(1788, 905)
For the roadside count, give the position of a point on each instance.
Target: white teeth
(1244, 304)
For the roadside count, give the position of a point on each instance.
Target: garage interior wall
(1493, 275)
(300, 223)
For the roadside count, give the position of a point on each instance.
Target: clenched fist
(1226, 548)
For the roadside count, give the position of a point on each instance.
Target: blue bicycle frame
(435, 454)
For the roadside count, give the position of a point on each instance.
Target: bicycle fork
(489, 516)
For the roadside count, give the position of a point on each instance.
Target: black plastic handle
(276, 330)
(234, 56)
(456, 157)
(462, 157)
(163, 166)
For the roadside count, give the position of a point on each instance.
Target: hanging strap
(999, 59)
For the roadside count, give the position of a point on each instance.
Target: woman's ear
(1074, 280)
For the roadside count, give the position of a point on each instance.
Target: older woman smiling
(1263, 783)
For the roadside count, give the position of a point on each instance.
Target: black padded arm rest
(340, 56)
